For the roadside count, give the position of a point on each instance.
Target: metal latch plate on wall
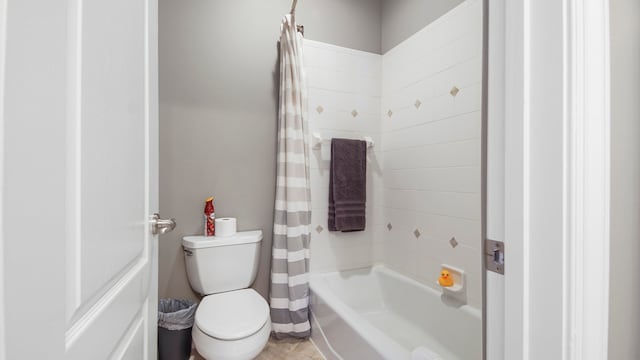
(494, 253)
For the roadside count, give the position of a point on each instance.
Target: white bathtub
(376, 313)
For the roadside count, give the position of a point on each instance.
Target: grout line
(432, 121)
(439, 167)
(432, 191)
(426, 102)
(377, 133)
(312, 87)
(432, 213)
(466, 140)
(343, 91)
(429, 167)
(432, 75)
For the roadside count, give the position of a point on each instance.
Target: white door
(112, 180)
(548, 179)
(80, 178)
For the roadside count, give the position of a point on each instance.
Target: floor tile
(286, 349)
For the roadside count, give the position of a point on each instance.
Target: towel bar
(317, 140)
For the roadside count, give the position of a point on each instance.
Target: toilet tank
(218, 264)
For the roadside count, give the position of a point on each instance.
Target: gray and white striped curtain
(289, 296)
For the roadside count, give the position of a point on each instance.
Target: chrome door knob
(161, 226)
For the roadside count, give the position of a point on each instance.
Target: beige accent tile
(453, 242)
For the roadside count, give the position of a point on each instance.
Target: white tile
(464, 18)
(462, 153)
(344, 80)
(399, 249)
(336, 102)
(457, 128)
(465, 206)
(447, 179)
(431, 85)
(442, 107)
(435, 226)
(461, 205)
(363, 123)
(452, 60)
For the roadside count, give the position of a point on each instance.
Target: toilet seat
(232, 326)
(232, 315)
(243, 349)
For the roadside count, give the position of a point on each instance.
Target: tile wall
(344, 102)
(431, 125)
(421, 103)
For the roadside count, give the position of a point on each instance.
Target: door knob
(161, 226)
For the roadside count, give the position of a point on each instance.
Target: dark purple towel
(347, 185)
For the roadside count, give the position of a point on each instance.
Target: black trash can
(175, 320)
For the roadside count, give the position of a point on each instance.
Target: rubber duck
(445, 279)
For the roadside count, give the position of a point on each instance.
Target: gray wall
(624, 327)
(218, 111)
(403, 18)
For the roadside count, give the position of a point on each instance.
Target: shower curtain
(289, 293)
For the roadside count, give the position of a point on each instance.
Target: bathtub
(377, 313)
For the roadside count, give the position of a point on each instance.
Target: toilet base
(241, 349)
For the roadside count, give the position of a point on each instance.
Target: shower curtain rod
(300, 28)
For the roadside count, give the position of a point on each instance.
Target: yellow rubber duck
(445, 279)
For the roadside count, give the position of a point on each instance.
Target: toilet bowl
(232, 321)
(232, 326)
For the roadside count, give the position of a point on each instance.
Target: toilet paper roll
(225, 226)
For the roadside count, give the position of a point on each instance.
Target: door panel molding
(3, 46)
(113, 102)
(557, 179)
(82, 117)
(110, 317)
(96, 305)
(588, 178)
(74, 159)
(132, 344)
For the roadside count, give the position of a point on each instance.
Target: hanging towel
(347, 185)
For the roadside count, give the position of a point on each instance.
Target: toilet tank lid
(241, 237)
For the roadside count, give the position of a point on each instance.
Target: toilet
(232, 321)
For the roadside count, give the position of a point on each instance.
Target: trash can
(175, 320)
